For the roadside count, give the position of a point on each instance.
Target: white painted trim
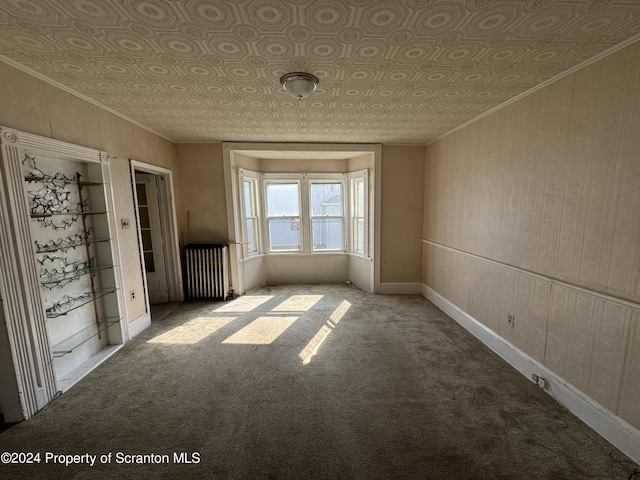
(554, 281)
(376, 213)
(169, 221)
(78, 373)
(400, 288)
(560, 76)
(139, 325)
(614, 429)
(231, 191)
(116, 258)
(253, 258)
(41, 77)
(301, 147)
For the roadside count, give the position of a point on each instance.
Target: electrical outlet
(510, 319)
(132, 294)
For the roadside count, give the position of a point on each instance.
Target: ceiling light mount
(299, 84)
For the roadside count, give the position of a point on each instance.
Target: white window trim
(320, 178)
(252, 176)
(364, 176)
(304, 181)
(284, 178)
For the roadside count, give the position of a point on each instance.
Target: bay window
(304, 213)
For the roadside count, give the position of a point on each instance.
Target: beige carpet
(324, 382)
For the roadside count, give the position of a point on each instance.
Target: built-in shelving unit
(74, 258)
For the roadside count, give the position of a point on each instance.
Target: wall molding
(78, 373)
(24, 315)
(139, 325)
(400, 288)
(55, 84)
(560, 76)
(554, 281)
(618, 432)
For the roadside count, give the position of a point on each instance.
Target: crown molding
(53, 83)
(580, 66)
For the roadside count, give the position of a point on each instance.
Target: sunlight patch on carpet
(262, 331)
(298, 303)
(193, 331)
(245, 303)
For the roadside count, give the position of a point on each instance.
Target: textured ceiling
(390, 72)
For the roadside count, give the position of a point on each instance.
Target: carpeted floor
(310, 382)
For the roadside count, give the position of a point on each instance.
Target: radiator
(206, 271)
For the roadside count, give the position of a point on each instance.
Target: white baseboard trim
(618, 432)
(400, 288)
(139, 325)
(81, 371)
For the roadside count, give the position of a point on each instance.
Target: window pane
(248, 203)
(359, 200)
(251, 239)
(142, 193)
(326, 199)
(358, 235)
(144, 217)
(327, 234)
(147, 243)
(284, 234)
(149, 263)
(282, 199)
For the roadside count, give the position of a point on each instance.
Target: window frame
(253, 178)
(262, 221)
(282, 179)
(328, 178)
(353, 179)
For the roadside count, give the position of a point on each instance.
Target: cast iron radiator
(206, 271)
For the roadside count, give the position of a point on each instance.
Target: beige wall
(549, 188)
(402, 199)
(249, 163)
(360, 163)
(289, 165)
(203, 214)
(34, 106)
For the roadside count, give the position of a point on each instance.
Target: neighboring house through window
(304, 213)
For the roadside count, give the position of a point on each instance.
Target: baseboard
(400, 288)
(618, 432)
(139, 325)
(81, 371)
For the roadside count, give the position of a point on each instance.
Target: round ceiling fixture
(299, 84)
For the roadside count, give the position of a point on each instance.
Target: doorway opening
(150, 232)
(157, 237)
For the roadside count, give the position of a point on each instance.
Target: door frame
(151, 184)
(169, 228)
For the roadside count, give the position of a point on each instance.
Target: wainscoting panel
(629, 402)
(587, 343)
(585, 338)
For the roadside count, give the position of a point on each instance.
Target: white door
(151, 238)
